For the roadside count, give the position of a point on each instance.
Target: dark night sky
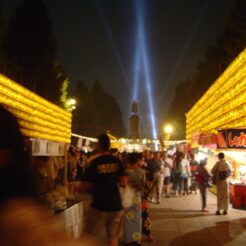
(177, 31)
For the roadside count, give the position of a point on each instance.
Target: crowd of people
(121, 184)
(146, 177)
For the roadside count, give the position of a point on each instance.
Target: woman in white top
(168, 165)
(185, 174)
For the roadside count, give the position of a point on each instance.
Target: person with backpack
(221, 172)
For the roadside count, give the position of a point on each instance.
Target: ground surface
(177, 221)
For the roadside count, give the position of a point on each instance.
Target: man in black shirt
(105, 173)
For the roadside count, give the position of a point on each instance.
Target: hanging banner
(79, 143)
(232, 139)
(207, 139)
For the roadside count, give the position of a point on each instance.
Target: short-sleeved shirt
(168, 164)
(154, 166)
(104, 172)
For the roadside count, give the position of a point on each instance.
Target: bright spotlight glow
(137, 63)
(168, 129)
(146, 65)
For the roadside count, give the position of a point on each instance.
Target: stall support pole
(65, 167)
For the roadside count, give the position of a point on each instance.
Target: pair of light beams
(142, 66)
(141, 61)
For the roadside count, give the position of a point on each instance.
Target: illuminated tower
(134, 121)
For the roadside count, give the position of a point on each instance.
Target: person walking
(203, 183)
(182, 174)
(193, 168)
(168, 165)
(133, 215)
(177, 173)
(221, 172)
(104, 174)
(154, 166)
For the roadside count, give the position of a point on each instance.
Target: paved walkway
(177, 221)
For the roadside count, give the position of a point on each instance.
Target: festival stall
(217, 122)
(46, 129)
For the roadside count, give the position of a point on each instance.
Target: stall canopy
(115, 143)
(37, 117)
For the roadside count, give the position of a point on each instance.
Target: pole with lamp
(168, 130)
(70, 105)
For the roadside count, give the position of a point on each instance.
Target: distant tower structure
(134, 121)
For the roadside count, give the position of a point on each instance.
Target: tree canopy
(97, 111)
(30, 52)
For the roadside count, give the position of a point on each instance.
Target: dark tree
(108, 111)
(97, 111)
(30, 50)
(1, 41)
(217, 58)
(85, 117)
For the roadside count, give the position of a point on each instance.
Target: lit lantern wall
(224, 103)
(38, 118)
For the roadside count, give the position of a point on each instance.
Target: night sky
(177, 32)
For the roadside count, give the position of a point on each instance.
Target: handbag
(127, 195)
(223, 175)
(207, 184)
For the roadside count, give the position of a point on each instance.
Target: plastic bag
(127, 196)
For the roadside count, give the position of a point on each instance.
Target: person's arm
(90, 173)
(214, 169)
(123, 180)
(229, 169)
(205, 175)
(188, 168)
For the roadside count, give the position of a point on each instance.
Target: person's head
(71, 151)
(156, 155)
(164, 155)
(103, 143)
(204, 162)
(147, 155)
(221, 156)
(16, 177)
(180, 156)
(135, 159)
(191, 155)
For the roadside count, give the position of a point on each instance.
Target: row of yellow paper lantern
(216, 87)
(36, 127)
(219, 122)
(238, 123)
(6, 100)
(231, 106)
(22, 94)
(43, 123)
(237, 85)
(234, 69)
(42, 135)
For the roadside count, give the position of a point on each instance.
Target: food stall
(217, 122)
(47, 132)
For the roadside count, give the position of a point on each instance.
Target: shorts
(98, 220)
(167, 180)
